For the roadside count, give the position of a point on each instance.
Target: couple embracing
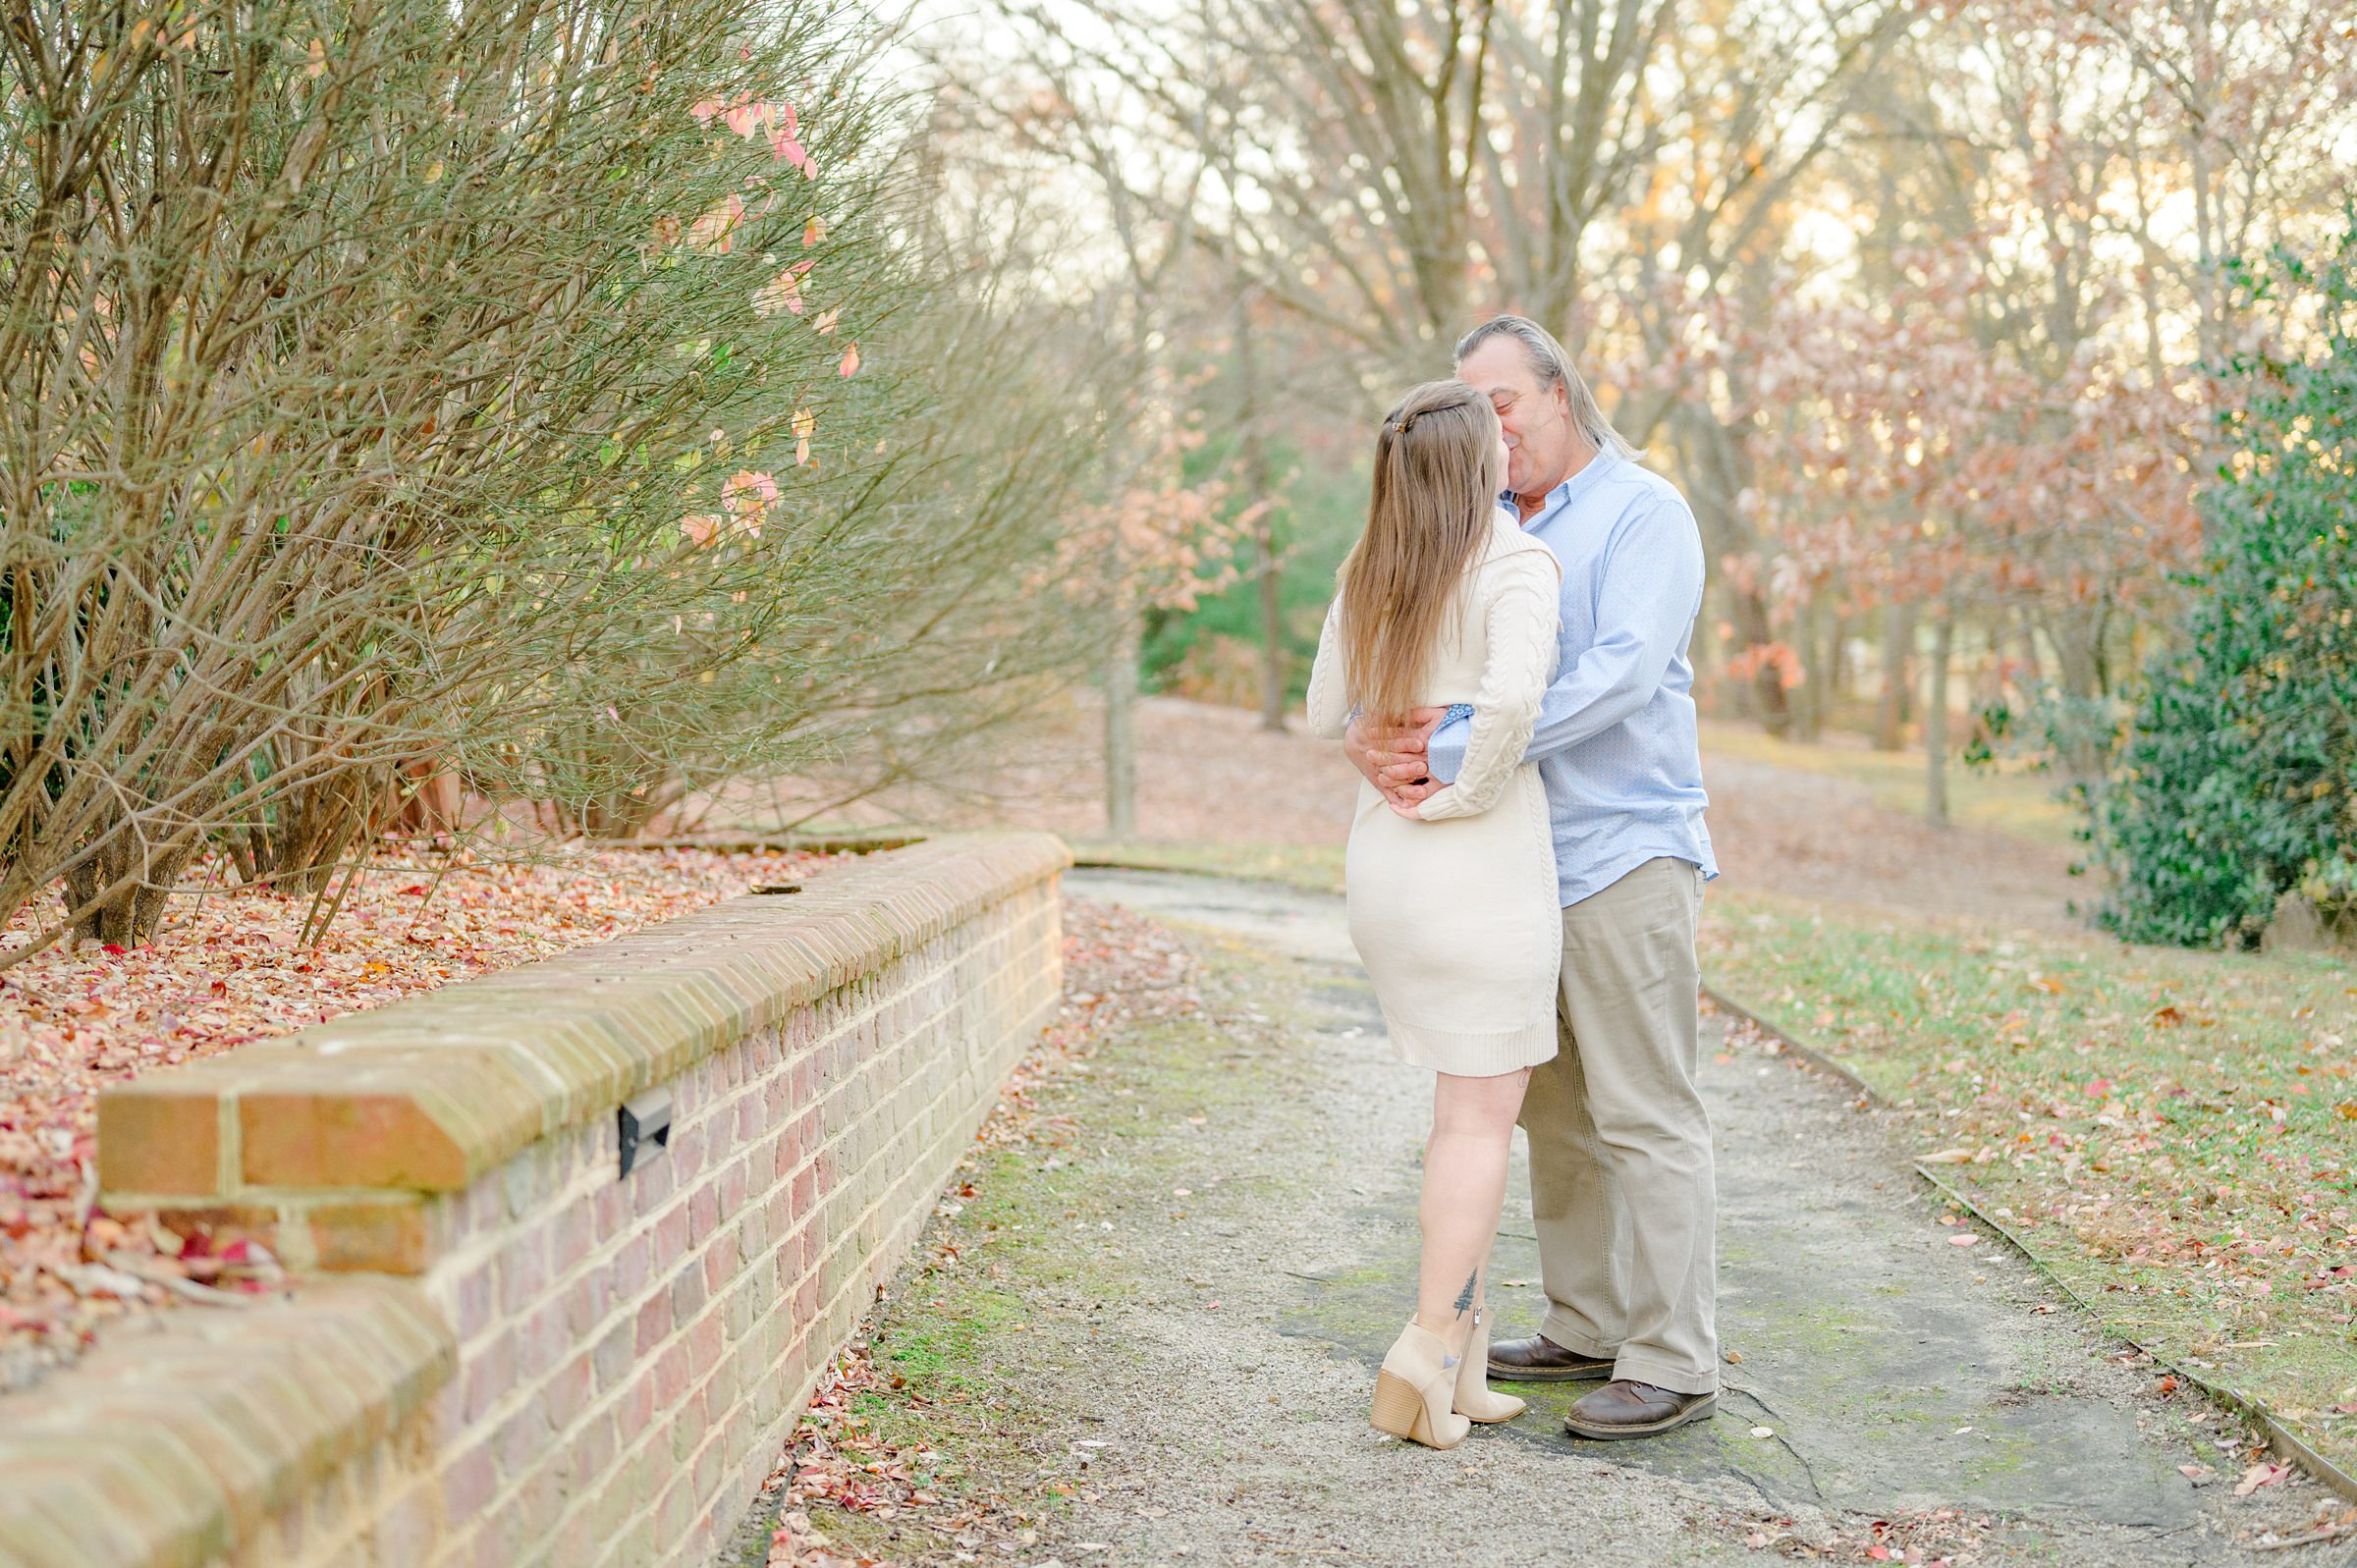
(1505, 662)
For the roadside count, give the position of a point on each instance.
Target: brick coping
(425, 1095)
(172, 1445)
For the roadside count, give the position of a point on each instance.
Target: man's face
(1540, 443)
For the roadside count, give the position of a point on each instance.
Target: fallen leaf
(2260, 1474)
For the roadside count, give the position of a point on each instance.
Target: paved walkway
(1203, 1349)
(1897, 1372)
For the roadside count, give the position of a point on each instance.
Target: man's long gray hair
(1552, 365)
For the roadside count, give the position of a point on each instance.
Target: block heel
(1414, 1392)
(1399, 1408)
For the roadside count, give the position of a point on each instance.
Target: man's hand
(1392, 757)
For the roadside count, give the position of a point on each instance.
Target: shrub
(2234, 785)
(468, 385)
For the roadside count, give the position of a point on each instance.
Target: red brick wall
(633, 1351)
(608, 1366)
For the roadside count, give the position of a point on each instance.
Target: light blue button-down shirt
(1616, 743)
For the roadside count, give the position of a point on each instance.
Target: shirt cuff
(1445, 752)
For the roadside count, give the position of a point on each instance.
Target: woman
(1452, 906)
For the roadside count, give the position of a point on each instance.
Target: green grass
(1315, 868)
(2171, 1132)
(1999, 798)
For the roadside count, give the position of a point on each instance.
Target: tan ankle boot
(1414, 1391)
(1474, 1401)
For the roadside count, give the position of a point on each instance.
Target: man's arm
(1652, 587)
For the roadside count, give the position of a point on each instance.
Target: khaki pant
(1619, 1144)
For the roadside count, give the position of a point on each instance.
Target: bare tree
(1062, 118)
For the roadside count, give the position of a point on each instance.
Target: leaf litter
(228, 967)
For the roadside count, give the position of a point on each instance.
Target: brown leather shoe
(1625, 1408)
(1540, 1359)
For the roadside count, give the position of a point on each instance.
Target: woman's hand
(1392, 757)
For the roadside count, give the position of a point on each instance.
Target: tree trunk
(1837, 665)
(1717, 469)
(1121, 729)
(1891, 715)
(314, 825)
(1273, 684)
(2080, 634)
(1808, 700)
(1705, 655)
(1767, 684)
(1260, 488)
(1935, 721)
(128, 916)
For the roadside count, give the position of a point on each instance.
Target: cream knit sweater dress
(1455, 915)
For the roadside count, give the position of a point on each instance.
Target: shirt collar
(1563, 494)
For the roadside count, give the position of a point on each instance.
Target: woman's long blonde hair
(1435, 494)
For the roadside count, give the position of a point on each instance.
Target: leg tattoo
(1464, 1304)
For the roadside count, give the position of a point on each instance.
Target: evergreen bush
(2234, 785)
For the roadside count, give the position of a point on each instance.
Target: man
(1619, 1144)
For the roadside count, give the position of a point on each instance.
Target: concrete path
(1894, 1375)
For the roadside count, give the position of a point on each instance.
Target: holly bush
(2234, 785)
